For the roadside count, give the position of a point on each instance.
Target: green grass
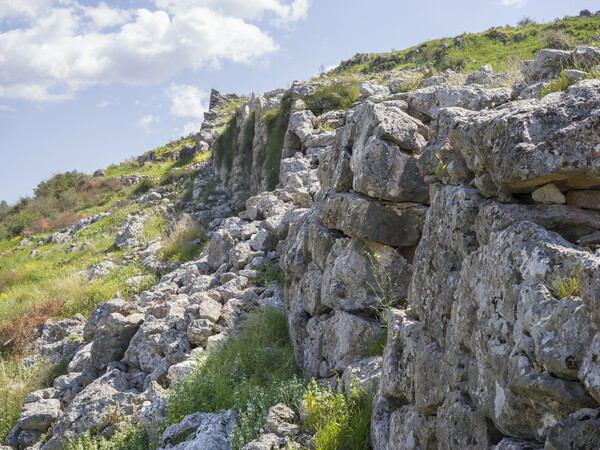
(176, 244)
(132, 438)
(339, 418)
(257, 370)
(271, 273)
(565, 286)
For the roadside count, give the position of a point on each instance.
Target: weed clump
(340, 94)
(339, 418)
(557, 39)
(271, 273)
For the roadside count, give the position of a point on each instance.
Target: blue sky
(84, 84)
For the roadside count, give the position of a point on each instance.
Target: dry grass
(183, 231)
(17, 335)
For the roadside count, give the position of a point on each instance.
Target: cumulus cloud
(7, 108)
(186, 101)
(66, 47)
(146, 122)
(515, 3)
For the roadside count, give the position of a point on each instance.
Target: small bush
(526, 21)
(175, 174)
(565, 286)
(337, 95)
(277, 123)
(144, 186)
(339, 418)
(557, 39)
(225, 147)
(132, 438)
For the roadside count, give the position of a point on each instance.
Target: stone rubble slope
(471, 201)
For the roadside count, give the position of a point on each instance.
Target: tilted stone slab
(368, 219)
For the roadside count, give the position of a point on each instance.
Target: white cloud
(515, 3)
(186, 101)
(66, 47)
(10, 9)
(103, 104)
(190, 128)
(282, 13)
(146, 122)
(7, 108)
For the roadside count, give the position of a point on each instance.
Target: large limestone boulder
(430, 100)
(384, 155)
(362, 217)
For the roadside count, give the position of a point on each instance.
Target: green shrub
(526, 21)
(246, 146)
(565, 286)
(145, 185)
(256, 369)
(337, 95)
(175, 174)
(557, 39)
(339, 418)
(17, 382)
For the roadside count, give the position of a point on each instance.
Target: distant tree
(57, 185)
(526, 21)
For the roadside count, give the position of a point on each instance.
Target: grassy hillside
(498, 46)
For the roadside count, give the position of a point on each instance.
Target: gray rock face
(547, 63)
(38, 416)
(523, 145)
(207, 431)
(430, 100)
(384, 153)
(364, 218)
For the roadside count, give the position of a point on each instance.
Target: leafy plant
(132, 438)
(180, 245)
(557, 84)
(16, 382)
(339, 418)
(277, 123)
(385, 288)
(145, 185)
